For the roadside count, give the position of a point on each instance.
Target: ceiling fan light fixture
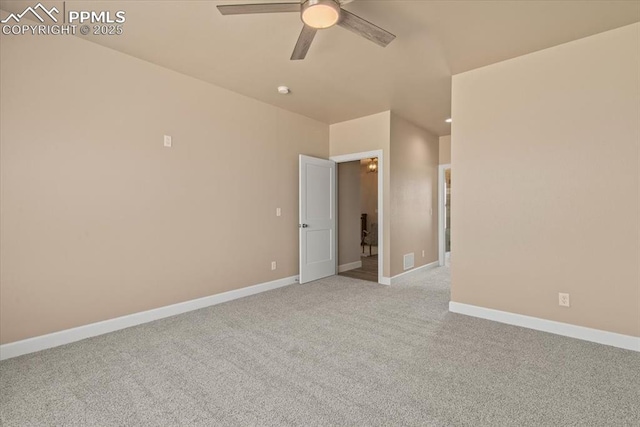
(373, 165)
(320, 14)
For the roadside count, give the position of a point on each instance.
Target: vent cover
(408, 261)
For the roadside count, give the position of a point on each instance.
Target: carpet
(338, 351)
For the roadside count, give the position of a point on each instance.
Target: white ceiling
(345, 76)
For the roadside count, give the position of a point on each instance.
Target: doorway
(358, 219)
(365, 231)
(444, 214)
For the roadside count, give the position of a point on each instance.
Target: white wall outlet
(563, 300)
(273, 265)
(167, 140)
(423, 253)
(278, 212)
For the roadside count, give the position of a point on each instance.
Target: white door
(317, 218)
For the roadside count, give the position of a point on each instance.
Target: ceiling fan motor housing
(320, 14)
(316, 15)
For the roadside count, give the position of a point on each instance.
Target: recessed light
(283, 90)
(449, 120)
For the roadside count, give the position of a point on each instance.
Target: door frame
(361, 156)
(441, 212)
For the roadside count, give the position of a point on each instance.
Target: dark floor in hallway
(368, 271)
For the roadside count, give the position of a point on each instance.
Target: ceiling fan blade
(241, 9)
(365, 28)
(304, 42)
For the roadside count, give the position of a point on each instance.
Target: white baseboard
(350, 266)
(395, 279)
(580, 332)
(385, 281)
(67, 336)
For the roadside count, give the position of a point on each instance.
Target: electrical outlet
(278, 212)
(273, 265)
(423, 253)
(563, 300)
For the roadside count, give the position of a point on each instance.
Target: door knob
(304, 225)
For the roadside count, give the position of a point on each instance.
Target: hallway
(368, 271)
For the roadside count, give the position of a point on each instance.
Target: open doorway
(358, 219)
(444, 206)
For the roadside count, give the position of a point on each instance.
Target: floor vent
(408, 261)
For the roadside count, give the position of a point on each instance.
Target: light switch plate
(167, 141)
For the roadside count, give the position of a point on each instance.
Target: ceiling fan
(316, 15)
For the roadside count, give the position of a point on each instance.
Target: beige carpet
(339, 352)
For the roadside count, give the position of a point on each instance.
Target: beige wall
(445, 150)
(414, 194)
(100, 220)
(348, 212)
(367, 134)
(546, 159)
(363, 134)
